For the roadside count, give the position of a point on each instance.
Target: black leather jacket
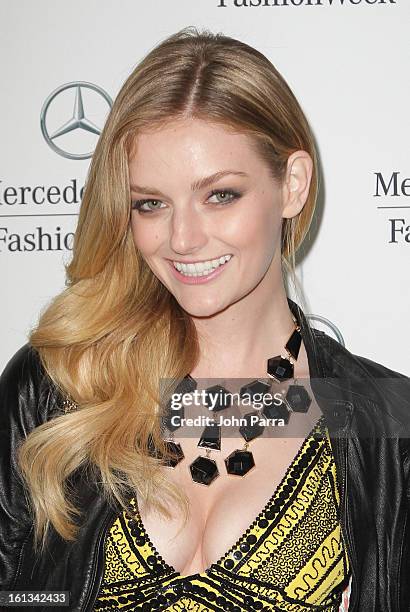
(367, 408)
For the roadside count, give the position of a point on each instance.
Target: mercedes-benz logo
(328, 324)
(77, 122)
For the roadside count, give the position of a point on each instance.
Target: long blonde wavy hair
(115, 330)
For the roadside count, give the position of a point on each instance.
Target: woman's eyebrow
(196, 185)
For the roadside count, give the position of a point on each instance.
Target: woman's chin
(202, 309)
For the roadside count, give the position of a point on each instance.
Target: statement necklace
(203, 469)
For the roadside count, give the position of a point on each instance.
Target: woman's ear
(296, 183)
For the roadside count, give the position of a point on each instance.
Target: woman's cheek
(145, 240)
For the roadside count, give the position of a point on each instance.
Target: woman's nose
(187, 233)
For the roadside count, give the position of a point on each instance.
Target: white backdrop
(347, 61)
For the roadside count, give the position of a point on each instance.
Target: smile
(201, 268)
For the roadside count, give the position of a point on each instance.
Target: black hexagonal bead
(223, 397)
(298, 398)
(251, 431)
(239, 462)
(280, 368)
(185, 385)
(204, 470)
(176, 450)
(256, 387)
(279, 411)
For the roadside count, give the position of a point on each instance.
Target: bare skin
(242, 315)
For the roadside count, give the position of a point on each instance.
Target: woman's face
(200, 193)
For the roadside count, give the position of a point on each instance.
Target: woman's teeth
(202, 268)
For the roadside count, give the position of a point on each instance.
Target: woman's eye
(138, 204)
(228, 195)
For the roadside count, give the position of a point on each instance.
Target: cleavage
(219, 514)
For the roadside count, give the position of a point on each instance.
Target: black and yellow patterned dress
(290, 558)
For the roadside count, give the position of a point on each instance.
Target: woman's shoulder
(25, 360)
(27, 394)
(368, 366)
(361, 378)
(338, 360)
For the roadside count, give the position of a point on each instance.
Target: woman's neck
(237, 342)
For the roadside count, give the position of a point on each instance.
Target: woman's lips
(198, 280)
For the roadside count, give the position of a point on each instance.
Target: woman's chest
(218, 514)
(275, 543)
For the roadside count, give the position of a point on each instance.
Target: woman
(202, 187)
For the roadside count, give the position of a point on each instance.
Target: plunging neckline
(320, 428)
